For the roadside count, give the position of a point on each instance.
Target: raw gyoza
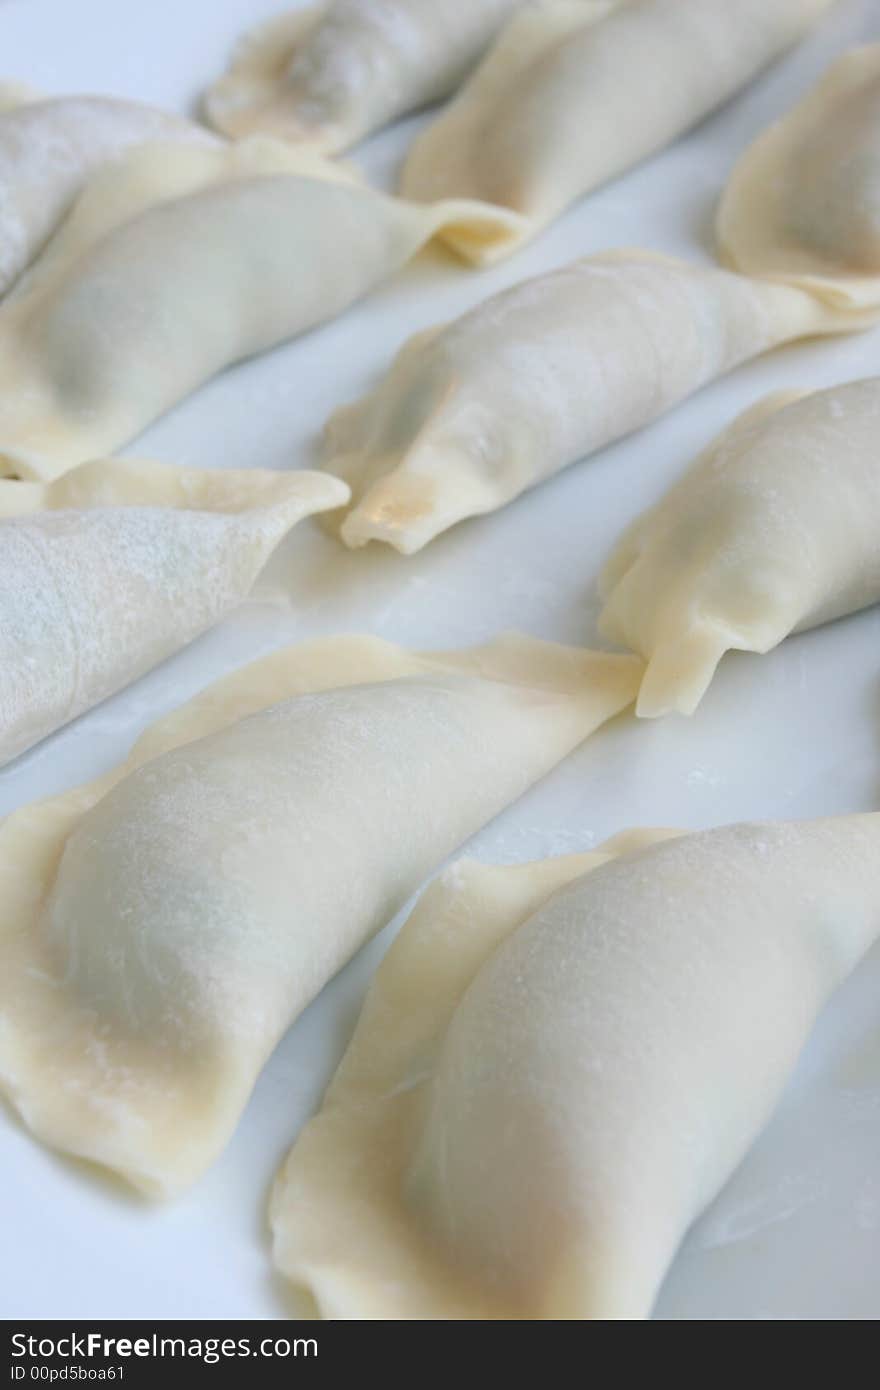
(161, 928)
(150, 289)
(331, 73)
(568, 99)
(125, 564)
(473, 413)
(772, 531)
(50, 147)
(559, 1065)
(803, 203)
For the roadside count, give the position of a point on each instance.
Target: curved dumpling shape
(803, 203)
(559, 1065)
(772, 531)
(563, 103)
(126, 564)
(149, 175)
(472, 414)
(50, 148)
(161, 929)
(127, 314)
(330, 74)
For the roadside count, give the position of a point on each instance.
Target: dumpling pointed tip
(361, 527)
(402, 510)
(679, 673)
(318, 491)
(657, 705)
(479, 232)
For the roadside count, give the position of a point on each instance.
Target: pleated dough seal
(331, 74)
(144, 296)
(50, 148)
(772, 531)
(569, 97)
(472, 414)
(160, 929)
(803, 203)
(559, 1065)
(106, 572)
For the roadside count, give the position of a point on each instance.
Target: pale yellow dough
(773, 530)
(474, 412)
(49, 149)
(175, 263)
(329, 74)
(803, 203)
(161, 928)
(559, 1065)
(112, 568)
(571, 95)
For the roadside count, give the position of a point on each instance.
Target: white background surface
(796, 1234)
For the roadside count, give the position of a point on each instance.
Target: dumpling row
(200, 255)
(327, 76)
(161, 928)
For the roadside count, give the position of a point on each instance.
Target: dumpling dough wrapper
(559, 1065)
(772, 531)
(112, 568)
(177, 263)
(161, 928)
(49, 149)
(571, 96)
(330, 74)
(473, 413)
(803, 203)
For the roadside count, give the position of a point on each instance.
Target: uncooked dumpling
(144, 295)
(568, 99)
(803, 203)
(472, 414)
(125, 564)
(161, 928)
(329, 74)
(559, 1065)
(772, 531)
(50, 147)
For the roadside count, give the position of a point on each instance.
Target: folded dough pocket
(112, 568)
(473, 413)
(160, 929)
(329, 74)
(176, 263)
(773, 530)
(803, 203)
(49, 149)
(559, 1065)
(571, 95)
